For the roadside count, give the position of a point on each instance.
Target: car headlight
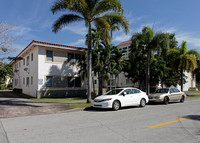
(103, 100)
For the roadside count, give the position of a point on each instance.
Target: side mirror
(124, 93)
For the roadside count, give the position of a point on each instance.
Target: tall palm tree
(150, 42)
(89, 11)
(184, 60)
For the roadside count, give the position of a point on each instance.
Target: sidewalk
(13, 106)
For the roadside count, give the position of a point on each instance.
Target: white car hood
(105, 97)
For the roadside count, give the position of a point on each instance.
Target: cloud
(79, 42)
(79, 29)
(21, 32)
(190, 38)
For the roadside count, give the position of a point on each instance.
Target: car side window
(135, 91)
(171, 90)
(128, 91)
(176, 90)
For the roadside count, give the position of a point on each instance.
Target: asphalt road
(130, 125)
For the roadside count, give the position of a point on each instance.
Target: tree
(90, 11)
(184, 60)
(5, 39)
(147, 42)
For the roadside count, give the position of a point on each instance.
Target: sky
(32, 20)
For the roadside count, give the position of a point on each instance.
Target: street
(156, 123)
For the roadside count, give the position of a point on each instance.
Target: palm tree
(150, 42)
(184, 60)
(89, 11)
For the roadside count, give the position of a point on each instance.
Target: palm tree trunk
(89, 64)
(93, 87)
(100, 83)
(181, 79)
(148, 73)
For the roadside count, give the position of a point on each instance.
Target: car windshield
(113, 92)
(164, 90)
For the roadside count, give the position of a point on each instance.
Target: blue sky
(33, 21)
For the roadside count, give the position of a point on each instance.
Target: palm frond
(104, 25)
(194, 53)
(64, 20)
(183, 48)
(108, 5)
(73, 5)
(119, 20)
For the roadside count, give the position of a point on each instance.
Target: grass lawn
(193, 96)
(52, 99)
(80, 105)
(192, 91)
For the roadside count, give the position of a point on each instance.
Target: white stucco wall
(30, 72)
(51, 68)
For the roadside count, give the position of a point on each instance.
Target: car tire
(182, 99)
(166, 100)
(116, 105)
(142, 102)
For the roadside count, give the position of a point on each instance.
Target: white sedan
(121, 97)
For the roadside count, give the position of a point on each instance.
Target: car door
(126, 97)
(136, 96)
(178, 94)
(173, 95)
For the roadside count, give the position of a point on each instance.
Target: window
(128, 91)
(16, 82)
(49, 56)
(23, 61)
(135, 91)
(32, 57)
(59, 81)
(49, 81)
(176, 90)
(27, 61)
(73, 58)
(31, 80)
(77, 81)
(19, 63)
(24, 81)
(27, 81)
(60, 56)
(63, 81)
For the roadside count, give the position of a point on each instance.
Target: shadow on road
(93, 109)
(193, 117)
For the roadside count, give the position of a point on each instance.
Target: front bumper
(155, 100)
(106, 104)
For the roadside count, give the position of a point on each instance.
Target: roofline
(42, 43)
(125, 42)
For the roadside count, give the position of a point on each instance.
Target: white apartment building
(122, 81)
(48, 70)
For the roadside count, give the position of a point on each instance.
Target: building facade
(48, 70)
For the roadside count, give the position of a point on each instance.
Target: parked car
(167, 95)
(121, 97)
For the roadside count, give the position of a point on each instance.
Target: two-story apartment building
(48, 70)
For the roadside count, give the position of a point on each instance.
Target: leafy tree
(184, 60)
(143, 47)
(90, 11)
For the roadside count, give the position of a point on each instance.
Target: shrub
(2, 87)
(192, 89)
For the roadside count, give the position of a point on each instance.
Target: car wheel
(142, 102)
(182, 99)
(116, 105)
(166, 100)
